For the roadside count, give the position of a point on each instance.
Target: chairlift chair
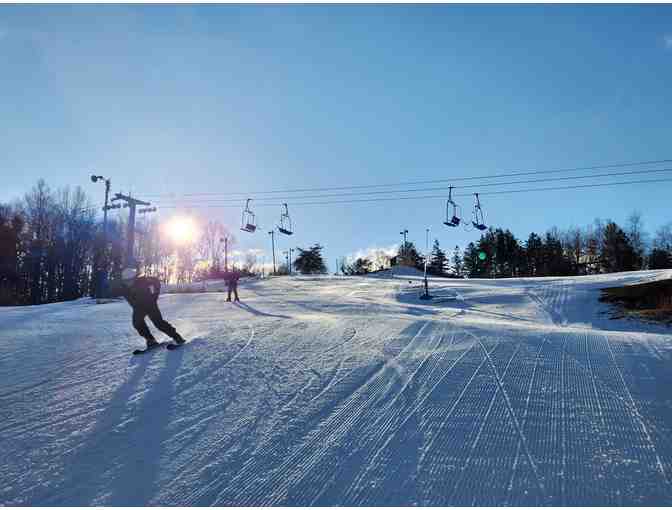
(285, 226)
(478, 219)
(452, 211)
(248, 223)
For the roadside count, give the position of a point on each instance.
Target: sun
(181, 229)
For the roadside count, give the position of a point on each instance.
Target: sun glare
(181, 229)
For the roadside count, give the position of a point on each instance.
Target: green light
(482, 255)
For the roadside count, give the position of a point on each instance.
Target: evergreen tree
(457, 262)
(661, 254)
(486, 245)
(534, 255)
(617, 253)
(408, 256)
(360, 266)
(507, 254)
(310, 261)
(11, 225)
(660, 259)
(554, 260)
(472, 265)
(504, 256)
(438, 261)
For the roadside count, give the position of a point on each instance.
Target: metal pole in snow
(426, 294)
(101, 272)
(226, 254)
(272, 233)
(102, 280)
(403, 251)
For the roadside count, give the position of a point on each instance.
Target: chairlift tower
(132, 203)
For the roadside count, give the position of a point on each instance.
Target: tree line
(52, 248)
(46, 244)
(601, 247)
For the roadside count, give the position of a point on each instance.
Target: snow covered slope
(341, 391)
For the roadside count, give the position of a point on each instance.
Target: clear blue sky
(189, 99)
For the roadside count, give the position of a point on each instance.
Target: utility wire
(418, 190)
(432, 197)
(412, 183)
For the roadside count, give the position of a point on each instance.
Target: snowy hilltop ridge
(342, 391)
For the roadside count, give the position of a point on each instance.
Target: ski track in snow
(342, 391)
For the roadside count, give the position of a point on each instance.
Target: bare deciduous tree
(663, 238)
(638, 237)
(211, 243)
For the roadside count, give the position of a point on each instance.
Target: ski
(171, 346)
(148, 349)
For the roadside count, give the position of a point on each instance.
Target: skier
(142, 293)
(232, 278)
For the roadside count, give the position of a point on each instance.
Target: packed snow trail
(341, 391)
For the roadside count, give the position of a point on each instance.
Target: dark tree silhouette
(617, 251)
(408, 256)
(660, 259)
(310, 261)
(438, 261)
(458, 267)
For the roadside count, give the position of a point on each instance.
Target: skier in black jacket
(142, 293)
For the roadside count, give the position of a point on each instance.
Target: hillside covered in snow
(342, 391)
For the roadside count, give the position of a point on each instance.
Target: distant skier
(142, 293)
(232, 278)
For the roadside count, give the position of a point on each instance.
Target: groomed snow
(342, 391)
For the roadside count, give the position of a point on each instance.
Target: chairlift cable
(468, 186)
(407, 183)
(442, 197)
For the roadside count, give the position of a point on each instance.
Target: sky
(187, 99)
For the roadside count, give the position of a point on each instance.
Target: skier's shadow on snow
(137, 478)
(254, 311)
(120, 463)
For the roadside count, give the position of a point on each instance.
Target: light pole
(226, 252)
(426, 294)
(101, 274)
(272, 234)
(403, 250)
(291, 253)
